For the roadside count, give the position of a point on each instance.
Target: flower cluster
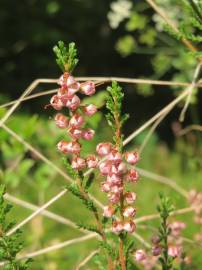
(67, 97)
(116, 167)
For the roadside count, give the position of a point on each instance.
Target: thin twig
(191, 88)
(163, 15)
(164, 180)
(189, 128)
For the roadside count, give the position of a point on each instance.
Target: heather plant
(10, 245)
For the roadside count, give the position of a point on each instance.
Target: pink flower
(75, 133)
(76, 121)
(129, 226)
(132, 157)
(61, 120)
(105, 187)
(88, 134)
(114, 197)
(73, 88)
(118, 169)
(114, 156)
(73, 103)
(174, 251)
(90, 109)
(66, 80)
(116, 188)
(176, 228)
(69, 147)
(114, 179)
(140, 255)
(88, 88)
(117, 227)
(130, 197)
(129, 211)
(156, 250)
(56, 102)
(92, 161)
(132, 175)
(108, 211)
(103, 149)
(78, 163)
(105, 167)
(155, 239)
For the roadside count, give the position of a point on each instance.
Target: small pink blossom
(92, 161)
(66, 80)
(75, 133)
(129, 211)
(118, 169)
(156, 250)
(56, 102)
(132, 175)
(114, 179)
(176, 228)
(108, 211)
(132, 157)
(140, 255)
(116, 188)
(105, 187)
(69, 147)
(105, 167)
(78, 163)
(73, 103)
(88, 88)
(76, 121)
(174, 251)
(130, 197)
(103, 149)
(61, 120)
(155, 239)
(129, 226)
(88, 134)
(90, 109)
(114, 156)
(114, 197)
(117, 227)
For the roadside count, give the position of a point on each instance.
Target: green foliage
(72, 173)
(165, 208)
(73, 188)
(11, 245)
(89, 180)
(114, 105)
(66, 56)
(126, 45)
(87, 227)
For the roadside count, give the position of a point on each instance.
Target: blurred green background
(114, 38)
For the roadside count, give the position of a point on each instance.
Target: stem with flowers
(113, 164)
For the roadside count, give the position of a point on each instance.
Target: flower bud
(105, 187)
(114, 179)
(76, 121)
(66, 80)
(132, 157)
(140, 255)
(114, 156)
(116, 188)
(90, 109)
(155, 239)
(92, 161)
(75, 133)
(61, 120)
(103, 149)
(88, 134)
(56, 102)
(78, 163)
(129, 211)
(118, 169)
(108, 211)
(114, 197)
(88, 88)
(129, 226)
(174, 251)
(130, 197)
(156, 250)
(73, 103)
(117, 227)
(132, 175)
(105, 167)
(69, 147)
